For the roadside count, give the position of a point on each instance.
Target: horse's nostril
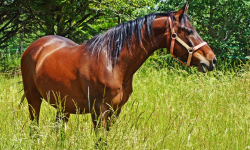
(214, 60)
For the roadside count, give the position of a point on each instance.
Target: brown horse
(97, 75)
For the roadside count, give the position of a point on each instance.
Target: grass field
(169, 109)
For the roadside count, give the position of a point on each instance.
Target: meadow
(170, 108)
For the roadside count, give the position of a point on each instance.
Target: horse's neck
(130, 62)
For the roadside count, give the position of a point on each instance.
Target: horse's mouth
(202, 68)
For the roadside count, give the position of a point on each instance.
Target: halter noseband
(190, 50)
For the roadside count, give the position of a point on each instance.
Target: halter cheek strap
(190, 50)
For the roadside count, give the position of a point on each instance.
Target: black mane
(120, 36)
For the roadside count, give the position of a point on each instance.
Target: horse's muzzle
(204, 67)
(212, 65)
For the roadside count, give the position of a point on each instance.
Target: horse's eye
(190, 32)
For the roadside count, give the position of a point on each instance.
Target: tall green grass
(170, 108)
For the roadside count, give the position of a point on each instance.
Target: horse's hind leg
(34, 100)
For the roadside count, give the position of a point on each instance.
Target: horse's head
(187, 44)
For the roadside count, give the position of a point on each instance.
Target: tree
(12, 20)
(78, 20)
(224, 24)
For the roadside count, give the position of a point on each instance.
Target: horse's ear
(180, 12)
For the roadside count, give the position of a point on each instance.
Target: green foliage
(10, 62)
(78, 20)
(12, 20)
(225, 24)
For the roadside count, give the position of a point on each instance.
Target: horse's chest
(121, 95)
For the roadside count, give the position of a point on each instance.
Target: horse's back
(46, 41)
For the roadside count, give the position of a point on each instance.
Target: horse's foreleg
(100, 119)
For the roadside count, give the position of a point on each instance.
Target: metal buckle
(190, 50)
(173, 36)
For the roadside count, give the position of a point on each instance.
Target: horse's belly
(71, 100)
(60, 87)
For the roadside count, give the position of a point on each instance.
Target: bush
(9, 62)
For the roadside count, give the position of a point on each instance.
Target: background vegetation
(225, 24)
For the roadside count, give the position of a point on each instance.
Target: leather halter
(190, 50)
